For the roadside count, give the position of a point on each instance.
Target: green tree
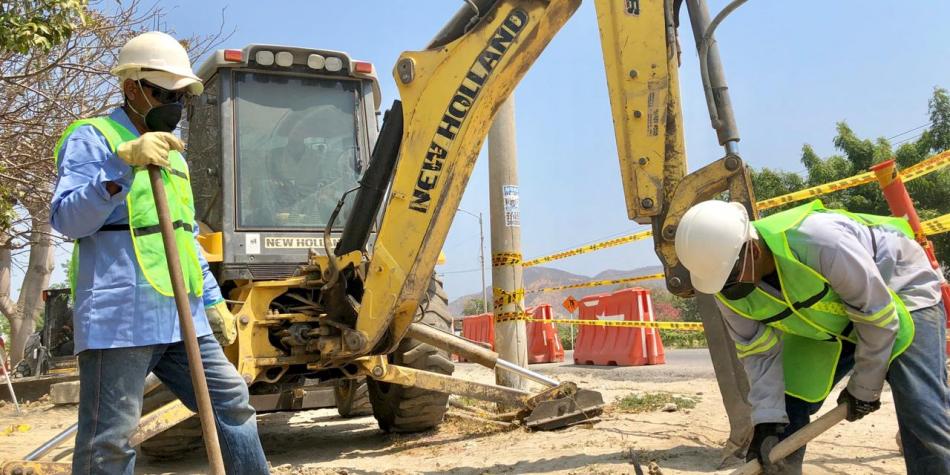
(474, 306)
(39, 25)
(855, 155)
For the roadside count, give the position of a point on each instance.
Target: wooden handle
(798, 439)
(188, 335)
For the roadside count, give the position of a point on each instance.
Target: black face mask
(161, 118)
(164, 118)
(738, 290)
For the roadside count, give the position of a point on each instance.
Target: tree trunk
(7, 306)
(30, 302)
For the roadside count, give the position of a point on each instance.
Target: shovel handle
(187, 324)
(798, 439)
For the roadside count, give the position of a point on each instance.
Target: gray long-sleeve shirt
(840, 249)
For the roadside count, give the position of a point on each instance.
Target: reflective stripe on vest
(812, 317)
(143, 217)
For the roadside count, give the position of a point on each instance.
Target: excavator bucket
(563, 406)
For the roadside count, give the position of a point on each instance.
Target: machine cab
(279, 134)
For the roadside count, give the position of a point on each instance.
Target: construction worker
(809, 294)
(125, 318)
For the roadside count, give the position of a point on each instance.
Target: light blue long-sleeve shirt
(115, 306)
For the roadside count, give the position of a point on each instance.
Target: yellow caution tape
(684, 326)
(598, 283)
(502, 297)
(819, 190)
(589, 248)
(511, 316)
(926, 166)
(499, 259)
(936, 225)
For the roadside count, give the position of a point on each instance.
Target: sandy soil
(685, 441)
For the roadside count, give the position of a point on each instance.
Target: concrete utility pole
(511, 340)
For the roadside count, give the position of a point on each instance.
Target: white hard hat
(709, 239)
(160, 59)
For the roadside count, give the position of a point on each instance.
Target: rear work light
(264, 58)
(233, 55)
(333, 64)
(362, 67)
(284, 59)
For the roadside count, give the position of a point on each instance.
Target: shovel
(798, 439)
(188, 335)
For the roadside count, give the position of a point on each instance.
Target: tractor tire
(406, 409)
(352, 398)
(182, 439)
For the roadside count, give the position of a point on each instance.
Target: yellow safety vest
(143, 217)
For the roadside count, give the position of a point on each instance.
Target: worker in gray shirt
(809, 294)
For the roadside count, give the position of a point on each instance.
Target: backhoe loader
(325, 233)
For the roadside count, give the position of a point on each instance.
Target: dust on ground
(684, 441)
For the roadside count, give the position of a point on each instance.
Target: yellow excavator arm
(450, 92)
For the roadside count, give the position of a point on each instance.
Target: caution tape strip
(819, 190)
(598, 283)
(589, 248)
(683, 326)
(512, 316)
(499, 259)
(919, 169)
(502, 297)
(936, 226)
(926, 166)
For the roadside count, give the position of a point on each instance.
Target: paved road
(681, 365)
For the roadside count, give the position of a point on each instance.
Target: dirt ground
(685, 441)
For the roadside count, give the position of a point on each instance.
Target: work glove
(223, 323)
(857, 408)
(150, 149)
(764, 440)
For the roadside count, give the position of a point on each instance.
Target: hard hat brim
(194, 86)
(163, 79)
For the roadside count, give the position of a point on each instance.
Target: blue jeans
(918, 380)
(110, 402)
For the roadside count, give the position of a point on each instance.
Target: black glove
(856, 407)
(763, 441)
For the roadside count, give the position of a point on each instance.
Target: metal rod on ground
(798, 439)
(6, 375)
(151, 383)
(188, 335)
(474, 352)
(510, 335)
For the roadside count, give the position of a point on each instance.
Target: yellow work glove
(150, 149)
(223, 323)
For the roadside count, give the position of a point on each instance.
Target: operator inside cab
(297, 150)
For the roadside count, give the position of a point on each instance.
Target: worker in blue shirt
(125, 318)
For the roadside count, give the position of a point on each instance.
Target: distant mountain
(542, 277)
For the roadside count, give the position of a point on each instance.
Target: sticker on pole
(570, 303)
(512, 209)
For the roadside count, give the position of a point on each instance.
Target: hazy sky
(794, 69)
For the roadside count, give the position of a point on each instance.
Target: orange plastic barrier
(480, 328)
(618, 346)
(544, 345)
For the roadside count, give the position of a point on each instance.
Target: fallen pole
(798, 439)
(6, 375)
